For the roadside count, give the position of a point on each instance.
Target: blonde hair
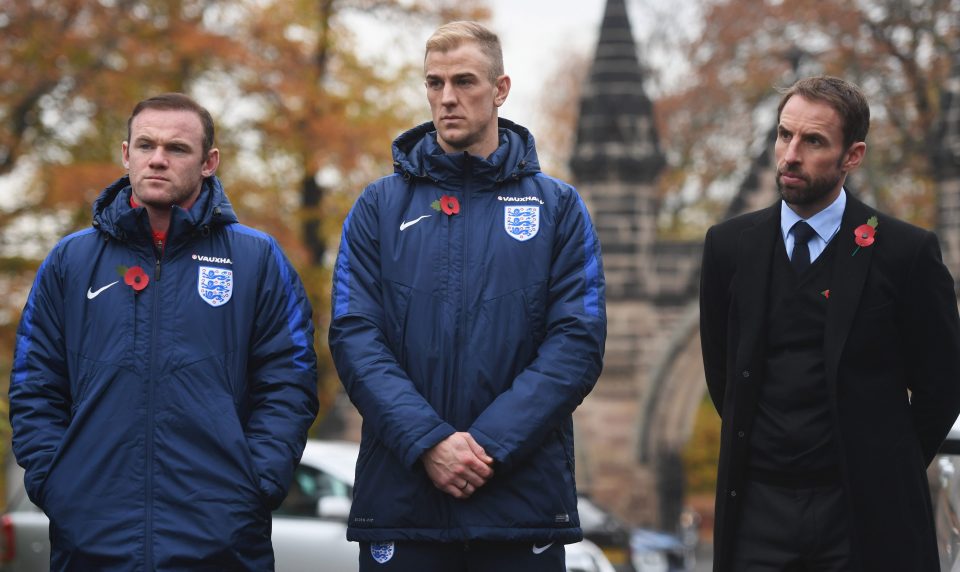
(451, 35)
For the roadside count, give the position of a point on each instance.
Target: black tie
(802, 233)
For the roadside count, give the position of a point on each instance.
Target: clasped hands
(458, 465)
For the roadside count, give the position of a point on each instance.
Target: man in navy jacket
(468, 324)
(164, 376)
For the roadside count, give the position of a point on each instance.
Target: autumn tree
(713, 75)
(304, 115)
(899, 52)
(555, 121)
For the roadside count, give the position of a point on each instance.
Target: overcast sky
(535, 35)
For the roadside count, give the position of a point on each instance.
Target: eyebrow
(781, 128)
(172, 142)
(459, 75)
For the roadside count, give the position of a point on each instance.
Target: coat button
(746, 373)
(740, 433)
(733, 493)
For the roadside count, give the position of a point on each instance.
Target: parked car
(608, 532)
(24, 540)
(639, 549)
(585, 556)
(309, 528)
(656, 551)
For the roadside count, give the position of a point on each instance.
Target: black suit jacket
(892, 356)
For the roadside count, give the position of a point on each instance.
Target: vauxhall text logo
(213, 259)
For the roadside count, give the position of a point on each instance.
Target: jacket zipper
(464, 307)
(151, 391)
(461, 341)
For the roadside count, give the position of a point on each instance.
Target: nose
(791, 154)
(158, 158)
(448, 96)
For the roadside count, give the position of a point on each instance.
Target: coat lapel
(846, 284)
(754, 256)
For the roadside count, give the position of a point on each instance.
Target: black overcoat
(892, 357)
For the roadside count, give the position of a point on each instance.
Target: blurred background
(662, 112)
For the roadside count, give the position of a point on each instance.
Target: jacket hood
(113, 214)
(416, 153)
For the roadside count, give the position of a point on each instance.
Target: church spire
(616, 134)
(946, 160)
(947, 156)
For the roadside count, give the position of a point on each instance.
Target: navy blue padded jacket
(158, 429)
(491, 320)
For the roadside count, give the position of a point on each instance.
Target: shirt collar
(826, 223)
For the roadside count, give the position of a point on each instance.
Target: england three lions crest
(382, 552)
(215, 285)
(521, 222)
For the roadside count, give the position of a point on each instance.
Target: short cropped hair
(844, 97)
(177, 102)
(451, 35)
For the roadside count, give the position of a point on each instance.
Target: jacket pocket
(536, 299)
(208, 425)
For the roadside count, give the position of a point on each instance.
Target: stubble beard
(815, 189)
(167, 200)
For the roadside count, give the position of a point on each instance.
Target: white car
(309, 528)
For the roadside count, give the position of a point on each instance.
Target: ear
(502, 86)
(854, 156)
(210, 165)
(125, 154)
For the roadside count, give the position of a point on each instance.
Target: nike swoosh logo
(541, 549)
(91, 294)
(405, 225)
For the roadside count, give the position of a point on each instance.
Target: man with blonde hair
(468, 324)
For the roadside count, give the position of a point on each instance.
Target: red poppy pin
(826, 294)
(865, 234)
(134, 277)
(447, 204)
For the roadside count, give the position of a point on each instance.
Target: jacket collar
(849, 276)
(113, 214)
(416, 153)
(754, 256)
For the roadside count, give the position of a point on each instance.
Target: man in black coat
(831, 347)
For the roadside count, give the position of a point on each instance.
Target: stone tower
(633, 426)
(616, 162)
(947, 172)
(617, 156)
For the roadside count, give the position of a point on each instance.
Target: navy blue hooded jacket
(157, 429)
(491, 320)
